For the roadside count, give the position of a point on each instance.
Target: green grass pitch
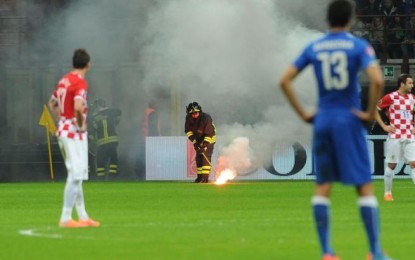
(178, 220)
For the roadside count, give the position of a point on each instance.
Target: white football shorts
(399, 149)
(75, 154)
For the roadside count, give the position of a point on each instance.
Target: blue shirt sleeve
(367, 56)
(303, 60)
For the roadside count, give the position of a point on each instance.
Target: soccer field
(177, 220)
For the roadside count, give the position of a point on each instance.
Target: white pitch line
(34, 233)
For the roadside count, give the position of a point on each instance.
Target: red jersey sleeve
(81, 90)
(385, 102)
(54, 95)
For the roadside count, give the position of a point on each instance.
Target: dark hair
(340, 12)
(80, 59)
(402, 79)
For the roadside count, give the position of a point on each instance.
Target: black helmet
(193, 107)
(99, 103)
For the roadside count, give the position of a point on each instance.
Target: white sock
(80, 204)
(388, 179)
(413, 175)
(69, 196)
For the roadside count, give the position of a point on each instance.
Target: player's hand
(200, 148)
(196, 146)
(81, 128)
(363, 115)
(203, 147)
(308, 117)
(390, 129)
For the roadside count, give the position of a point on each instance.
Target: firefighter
(104, 125)
(201, 131)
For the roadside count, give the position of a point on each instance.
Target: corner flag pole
(52, 177)
(47, 121)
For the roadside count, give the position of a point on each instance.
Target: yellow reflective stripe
(100, 171)
(189, 134)
(107, 140)
(113, 166)
(199, 170)
(206, 169)
(210, 140)
(105, 126)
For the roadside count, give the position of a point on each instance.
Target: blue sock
(370, 217)
(322, 219)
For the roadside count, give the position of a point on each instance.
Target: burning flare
(225, 176)
(234, 159)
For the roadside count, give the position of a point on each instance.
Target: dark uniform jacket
(200, 130)
(104, 124)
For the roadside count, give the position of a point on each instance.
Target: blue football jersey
(337, 58)
(339, 147)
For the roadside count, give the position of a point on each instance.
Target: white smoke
(228, 55)
(237, 156)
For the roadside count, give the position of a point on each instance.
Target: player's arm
(375, 89)
(385, 127)
(286, 84)
(376, 85)
(210, 132)
(54, 107)
(383, 104)
(188, 131)
(79, 113)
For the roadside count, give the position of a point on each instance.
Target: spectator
(371, 7)
(406, 6)
(410, 38)
(360, 29)
(388, 9)
(376, 37)
(396, 35)
(359, 6)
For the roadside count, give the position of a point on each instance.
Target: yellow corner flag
(46, 120)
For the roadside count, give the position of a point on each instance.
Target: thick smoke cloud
(225, 54)
(229, 55)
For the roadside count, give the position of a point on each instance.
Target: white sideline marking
(34, 233)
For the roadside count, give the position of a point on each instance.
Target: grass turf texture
(177, 220)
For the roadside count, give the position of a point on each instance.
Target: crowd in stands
(389, 25)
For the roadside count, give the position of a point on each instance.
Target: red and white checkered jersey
(400, 112)
(72, 86)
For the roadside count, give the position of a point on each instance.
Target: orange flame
(225, 176)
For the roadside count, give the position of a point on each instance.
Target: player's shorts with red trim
(397, 150)
(74, 148)
(67, 128)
